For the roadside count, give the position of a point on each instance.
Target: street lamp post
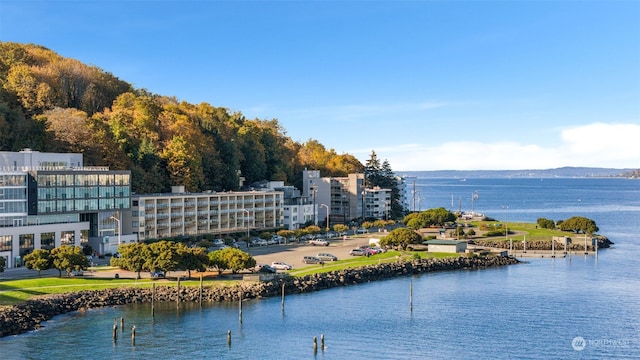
(119, 228)
(314, 193)
(247, 212)
(323, 205)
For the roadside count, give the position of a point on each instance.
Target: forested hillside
(54, 104)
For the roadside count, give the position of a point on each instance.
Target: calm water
(533, 310)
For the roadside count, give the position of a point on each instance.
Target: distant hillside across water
(547, 173)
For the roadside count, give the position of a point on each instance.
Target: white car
(218, 242)
(279, 265)
(259, 242)
(319, 242)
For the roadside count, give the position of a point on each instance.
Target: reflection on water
(533, 310)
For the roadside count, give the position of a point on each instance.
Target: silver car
(327, 257)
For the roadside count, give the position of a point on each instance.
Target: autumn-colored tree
(70, 127)
(183, 164)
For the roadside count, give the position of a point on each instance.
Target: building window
(47, 240)
(6, 242)
(26, 244)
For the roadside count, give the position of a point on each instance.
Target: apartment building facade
(346, 197)
(155, 216)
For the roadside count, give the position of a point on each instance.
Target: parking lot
(292, 254)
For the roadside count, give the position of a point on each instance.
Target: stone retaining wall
(29, 315)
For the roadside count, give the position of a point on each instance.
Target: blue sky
(428, 85)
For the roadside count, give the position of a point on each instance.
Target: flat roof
(443, 242)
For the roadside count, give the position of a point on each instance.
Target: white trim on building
(155, 216)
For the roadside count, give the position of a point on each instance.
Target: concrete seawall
(29, 315)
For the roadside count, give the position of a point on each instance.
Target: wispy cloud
(593, 145)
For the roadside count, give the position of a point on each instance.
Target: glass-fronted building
(51, 199)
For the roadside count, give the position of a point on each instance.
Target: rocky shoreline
(576, 245)
(31, 314)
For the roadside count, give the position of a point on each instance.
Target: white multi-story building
(348, 199)
(298, 210)
(404, 192)
(51, 199)
(377, 203)
(155, 216)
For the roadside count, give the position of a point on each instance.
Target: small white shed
(447, 246)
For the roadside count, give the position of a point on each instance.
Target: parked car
(157, 274)
(266, 269)
(258, 242)
(278, 239)
(76, 273)
(327, 257)
(361, 231)
(358, 252)
(319, 242)
(218, 242)
(312, 260)
(370, 250)
(280, 265)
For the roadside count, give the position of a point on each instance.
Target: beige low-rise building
(446, 246)
(179, 213)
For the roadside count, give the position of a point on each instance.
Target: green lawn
(530, 230)
(357, 261)
(16, 291)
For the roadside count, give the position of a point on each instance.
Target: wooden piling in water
(115, 332)
(178, 294)
(228, 337)
(200, 292)
(315, 344)
(411, 295)
(282, 297)
(122, 324)
(240, 308)
(153, 296)
(133, 335)
(322, 342)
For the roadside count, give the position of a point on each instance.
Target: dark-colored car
(267, 269)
